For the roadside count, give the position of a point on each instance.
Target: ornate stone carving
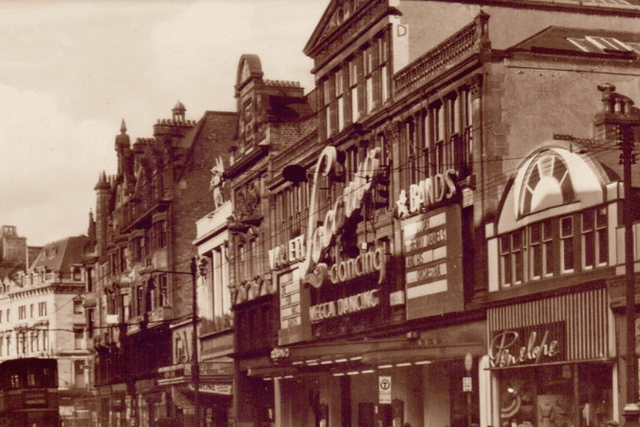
(217, 182)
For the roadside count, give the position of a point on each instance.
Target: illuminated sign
(527, 346)
(289, 301)
(344, 270)
(426, 193)
(279, 353)
(282, 255)
(321, 235)
(343, 306)
(432, 246)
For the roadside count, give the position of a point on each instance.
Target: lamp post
(618, 112)
(195, 367)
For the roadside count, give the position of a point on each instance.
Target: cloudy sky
(71, 70)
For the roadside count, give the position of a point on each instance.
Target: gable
(249, 66)
(342, 21)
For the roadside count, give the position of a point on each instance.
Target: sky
(72, 70)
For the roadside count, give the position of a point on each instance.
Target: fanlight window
(547, 184)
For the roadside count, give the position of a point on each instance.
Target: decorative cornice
(471, 40)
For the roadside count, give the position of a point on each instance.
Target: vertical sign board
(289, 301)
(293, 322)
(384, 389)
(433, 262)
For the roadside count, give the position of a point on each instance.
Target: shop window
(556, 396)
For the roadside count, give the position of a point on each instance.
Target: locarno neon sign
(321, 235)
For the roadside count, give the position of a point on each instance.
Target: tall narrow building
(141, 278)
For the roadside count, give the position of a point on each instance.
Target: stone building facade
(140, 279)
(446, 249)
(42, 315)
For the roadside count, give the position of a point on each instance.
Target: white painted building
(42, 315)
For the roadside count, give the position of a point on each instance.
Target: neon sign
(343, 306)
(426, 193)
(280, 256)
(321, 235)
(506, 349)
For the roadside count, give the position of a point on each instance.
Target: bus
(29, 393)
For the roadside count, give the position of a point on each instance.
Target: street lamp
(620, 113)
(196, 268)
(195, 367)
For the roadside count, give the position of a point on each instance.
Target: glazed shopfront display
(552, 361)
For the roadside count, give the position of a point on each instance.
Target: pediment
(338, 14)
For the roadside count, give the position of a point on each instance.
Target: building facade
(42, 315)
(272, 116)
(141, 279)
(214, 304)
(448, 249)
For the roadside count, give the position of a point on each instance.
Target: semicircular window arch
(547, 184)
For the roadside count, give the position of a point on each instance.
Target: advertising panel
(432, 244)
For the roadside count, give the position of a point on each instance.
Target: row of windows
(291, 212)
(22, 311)
(26, 342)
(138, 248)
(156, 295)
(32, 376)
(357, 87)
(150, 190)
(555, 246)
(438, 138)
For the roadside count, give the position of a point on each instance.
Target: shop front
(552, 361)
(426, 379)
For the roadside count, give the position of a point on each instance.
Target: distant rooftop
(583, 42)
